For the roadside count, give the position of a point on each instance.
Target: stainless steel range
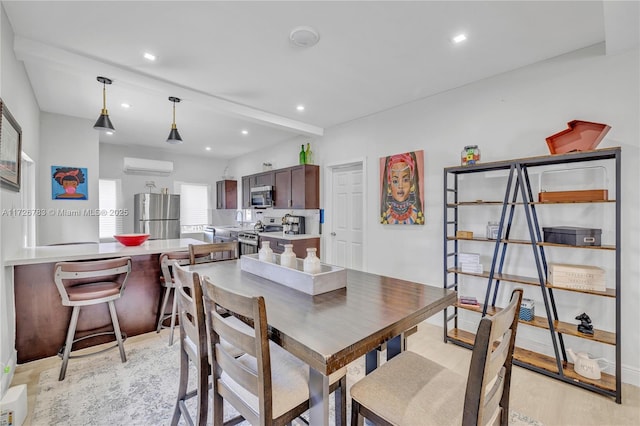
(248, 242)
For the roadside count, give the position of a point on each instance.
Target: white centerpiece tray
(329, 278)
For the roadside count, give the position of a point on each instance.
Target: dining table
(330, 330)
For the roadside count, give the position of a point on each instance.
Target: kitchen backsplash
(232, 217)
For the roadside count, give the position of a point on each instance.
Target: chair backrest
(168, 259)
(71, 274)
(258, 383)
(228, 250)
(190, 313)
(489, 381)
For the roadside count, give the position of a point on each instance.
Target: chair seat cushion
(412, 390)
(289, 380)
(93, 291)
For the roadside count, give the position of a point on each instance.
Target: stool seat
(94, 291)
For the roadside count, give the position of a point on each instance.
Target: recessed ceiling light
(149, 56)
(125, 105)
(245, 132)
(208, 148)
(109, 133)
(304, 36)
(300, 107)
(459, 38)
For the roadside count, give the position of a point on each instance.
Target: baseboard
(8, 368)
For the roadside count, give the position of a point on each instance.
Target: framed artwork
(69, 183)
(10, 150)
(401, 189)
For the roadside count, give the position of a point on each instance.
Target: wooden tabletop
(330, 330)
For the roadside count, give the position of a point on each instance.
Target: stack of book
(468, 301)
(470, 263)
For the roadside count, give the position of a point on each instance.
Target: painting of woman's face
(400, 181)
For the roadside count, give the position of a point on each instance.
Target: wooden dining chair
(216, 251)
(193, 345)
(412, 390)
(267, 385)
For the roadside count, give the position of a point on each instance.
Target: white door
(347, 205)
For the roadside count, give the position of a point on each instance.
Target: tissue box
(527, 310)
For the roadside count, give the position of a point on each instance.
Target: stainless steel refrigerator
(157, 215)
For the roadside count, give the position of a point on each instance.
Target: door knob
(333, 234)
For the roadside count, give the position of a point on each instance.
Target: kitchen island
(42, 320)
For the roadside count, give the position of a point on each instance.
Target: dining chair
(266, 385)
(216, 251)
(412, 390)
(91, 283)
(193, 345)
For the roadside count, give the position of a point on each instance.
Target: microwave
(262, 196)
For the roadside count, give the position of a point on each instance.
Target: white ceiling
(235, 68)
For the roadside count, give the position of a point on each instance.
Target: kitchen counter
(290, 237)
(46, 254)
(41, 319)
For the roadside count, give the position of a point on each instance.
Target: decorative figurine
(585, 326)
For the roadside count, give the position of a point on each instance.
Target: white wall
(185, 169)
(17, 94)
(67, 141)
(508, 116)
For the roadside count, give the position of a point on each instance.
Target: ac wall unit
(142, 166)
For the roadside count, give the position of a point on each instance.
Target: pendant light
(103, 122)
(174, 136)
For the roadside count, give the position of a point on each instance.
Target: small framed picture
(69, 183)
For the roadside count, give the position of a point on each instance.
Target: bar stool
(168, 282)
(90, 283)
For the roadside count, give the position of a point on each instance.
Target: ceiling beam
(27, 49)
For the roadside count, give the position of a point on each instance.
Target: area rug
(101, 390)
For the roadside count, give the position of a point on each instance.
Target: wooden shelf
(544, 244)
(527, 242)
(544, 362)
(610, 292)
(562, 327)
(572, 202)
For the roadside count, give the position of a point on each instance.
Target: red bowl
(131, 239)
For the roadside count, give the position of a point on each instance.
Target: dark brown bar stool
(89, 283)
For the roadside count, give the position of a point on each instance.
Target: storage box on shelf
(564, 279)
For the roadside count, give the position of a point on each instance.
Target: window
(194, 206)
(109, 200)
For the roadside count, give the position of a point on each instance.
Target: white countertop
(280, 235)
(50, 254)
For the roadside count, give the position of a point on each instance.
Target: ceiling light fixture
(125, 105)
(245, 132)
(304, 36)
(300, 107)
(149, 56)
(208, 148)
(103, 122)
(459, 38)
(174, 137)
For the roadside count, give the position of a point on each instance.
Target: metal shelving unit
(518, 195)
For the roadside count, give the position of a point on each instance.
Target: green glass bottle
(303, 157)
(308, 155)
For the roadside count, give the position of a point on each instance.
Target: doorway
(345, 239)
